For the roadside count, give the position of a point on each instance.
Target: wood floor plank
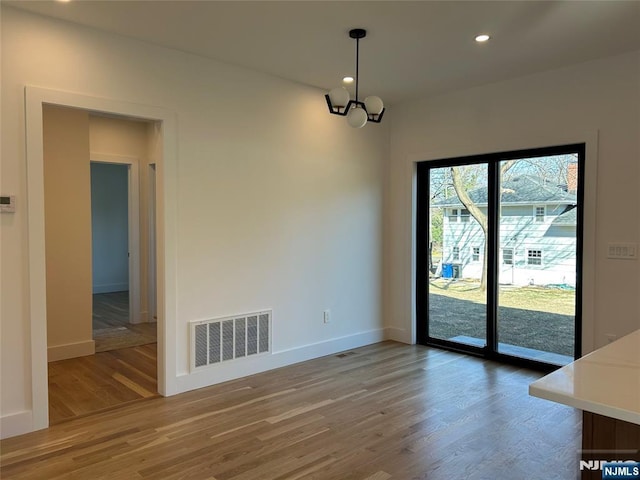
(79, 386)
(133, 386)
(386, 411)
(110, 309)
(111, 327)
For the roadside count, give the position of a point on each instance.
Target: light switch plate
(625, 251)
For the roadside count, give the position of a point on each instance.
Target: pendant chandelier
(339, 101)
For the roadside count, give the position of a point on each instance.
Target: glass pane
(457, 270)
(537, 258)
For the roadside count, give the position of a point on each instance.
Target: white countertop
(606, 381)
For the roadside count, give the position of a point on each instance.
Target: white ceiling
(412, 48)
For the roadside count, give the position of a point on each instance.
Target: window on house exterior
(464, 215)
(540, 214)
(475, 254)
(453, 215)
(456, 253)
(534, 257)
(507, 256)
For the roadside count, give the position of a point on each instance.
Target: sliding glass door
(457, 306)
(499, 242)
(537, 257)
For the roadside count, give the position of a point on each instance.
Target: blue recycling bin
(447, 270)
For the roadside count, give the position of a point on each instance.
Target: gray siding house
(537, 234)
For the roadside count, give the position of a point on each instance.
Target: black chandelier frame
(357, 34)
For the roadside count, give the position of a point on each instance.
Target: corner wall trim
(398, 335)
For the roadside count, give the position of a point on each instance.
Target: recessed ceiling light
(64, 1)
(482, 38)
(347, 80)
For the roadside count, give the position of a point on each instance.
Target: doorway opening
(118, 321)
(93, 254)
(160, 124)
(499, 258)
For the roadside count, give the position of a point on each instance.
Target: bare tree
(552, 170)
(480, 217)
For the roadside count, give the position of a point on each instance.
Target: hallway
(111, 327)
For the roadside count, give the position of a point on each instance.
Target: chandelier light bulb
(339, 97)
(357, 117)
(373, 105)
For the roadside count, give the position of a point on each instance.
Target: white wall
(279, 204)
(596, 100)
(109, 227)
(67, 222)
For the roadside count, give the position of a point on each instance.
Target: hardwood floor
(386, 411)
(83, 385)
(111, 327)
(110, 310)
(124, 370)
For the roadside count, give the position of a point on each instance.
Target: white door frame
(166, 234)
(133, 207)
(152, 312)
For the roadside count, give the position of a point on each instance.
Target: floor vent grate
(229, 338)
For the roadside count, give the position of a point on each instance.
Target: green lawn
(541, 299)
(533, 317)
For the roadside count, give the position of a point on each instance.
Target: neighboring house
(537, 234)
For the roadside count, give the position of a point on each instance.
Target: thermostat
(7, 203)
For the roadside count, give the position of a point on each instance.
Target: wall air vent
(229, 338)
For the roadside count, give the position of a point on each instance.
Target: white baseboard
(111, 287)
(142, 318)
(71, 350)
(22, 422)
(397, 334)
(252, 365)
(16, 424)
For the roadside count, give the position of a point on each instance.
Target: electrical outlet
(327, 316)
